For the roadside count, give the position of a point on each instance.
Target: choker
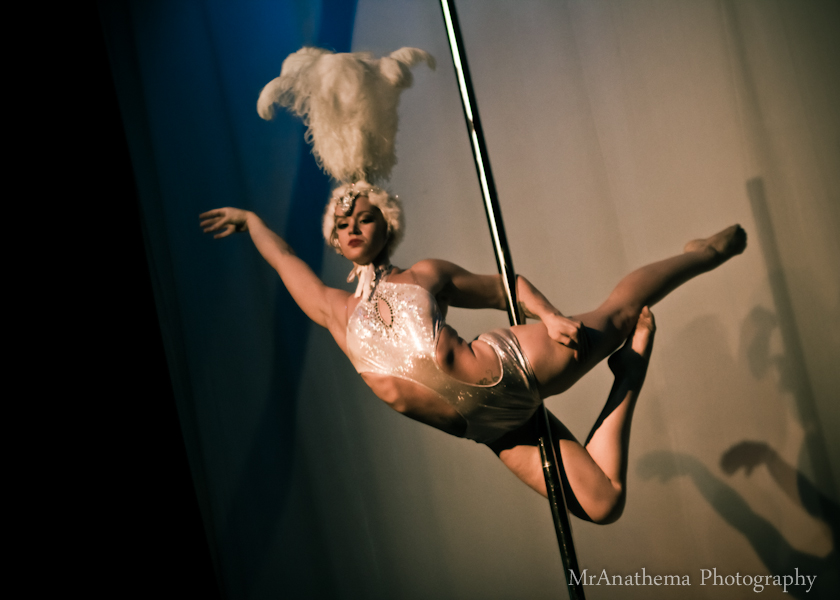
(368, 276)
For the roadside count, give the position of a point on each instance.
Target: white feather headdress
(349, 105)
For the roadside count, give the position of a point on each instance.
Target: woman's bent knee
(607, 510)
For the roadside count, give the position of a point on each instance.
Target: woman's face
(363, 233)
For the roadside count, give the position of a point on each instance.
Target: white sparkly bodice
(402, 343)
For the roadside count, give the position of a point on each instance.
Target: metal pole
(504, 261)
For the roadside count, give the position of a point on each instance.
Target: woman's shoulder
(431, 273)
(433, 267)
(434, 274)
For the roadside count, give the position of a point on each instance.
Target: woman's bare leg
(651, 283)
(595, 475)
(609, 441)
(611, 323)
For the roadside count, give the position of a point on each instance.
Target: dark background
(137, 512)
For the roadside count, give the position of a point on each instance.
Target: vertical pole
(504, 261)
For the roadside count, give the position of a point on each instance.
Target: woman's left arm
(458, 287)
(560, 328)
(455, 286)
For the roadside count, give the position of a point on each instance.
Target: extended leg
(651, 283)
(596, 473)
(612, 322)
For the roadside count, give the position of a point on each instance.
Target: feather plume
(348, 103)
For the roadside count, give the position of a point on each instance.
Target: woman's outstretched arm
(319, 302)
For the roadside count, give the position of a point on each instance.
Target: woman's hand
(229, 220)
(568, 332)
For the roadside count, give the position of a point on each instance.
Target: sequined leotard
(405, 345)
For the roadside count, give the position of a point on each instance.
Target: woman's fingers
(211, 225)
(229, 229)
(214, 227)
(212, 220)
(220, 219)
(572, 334)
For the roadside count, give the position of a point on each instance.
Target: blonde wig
(389, 205)
(348, 103)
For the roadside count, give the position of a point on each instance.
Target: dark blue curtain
(187, 75)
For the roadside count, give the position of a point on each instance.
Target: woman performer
(393, 331)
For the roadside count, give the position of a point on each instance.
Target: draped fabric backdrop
(617, 131)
